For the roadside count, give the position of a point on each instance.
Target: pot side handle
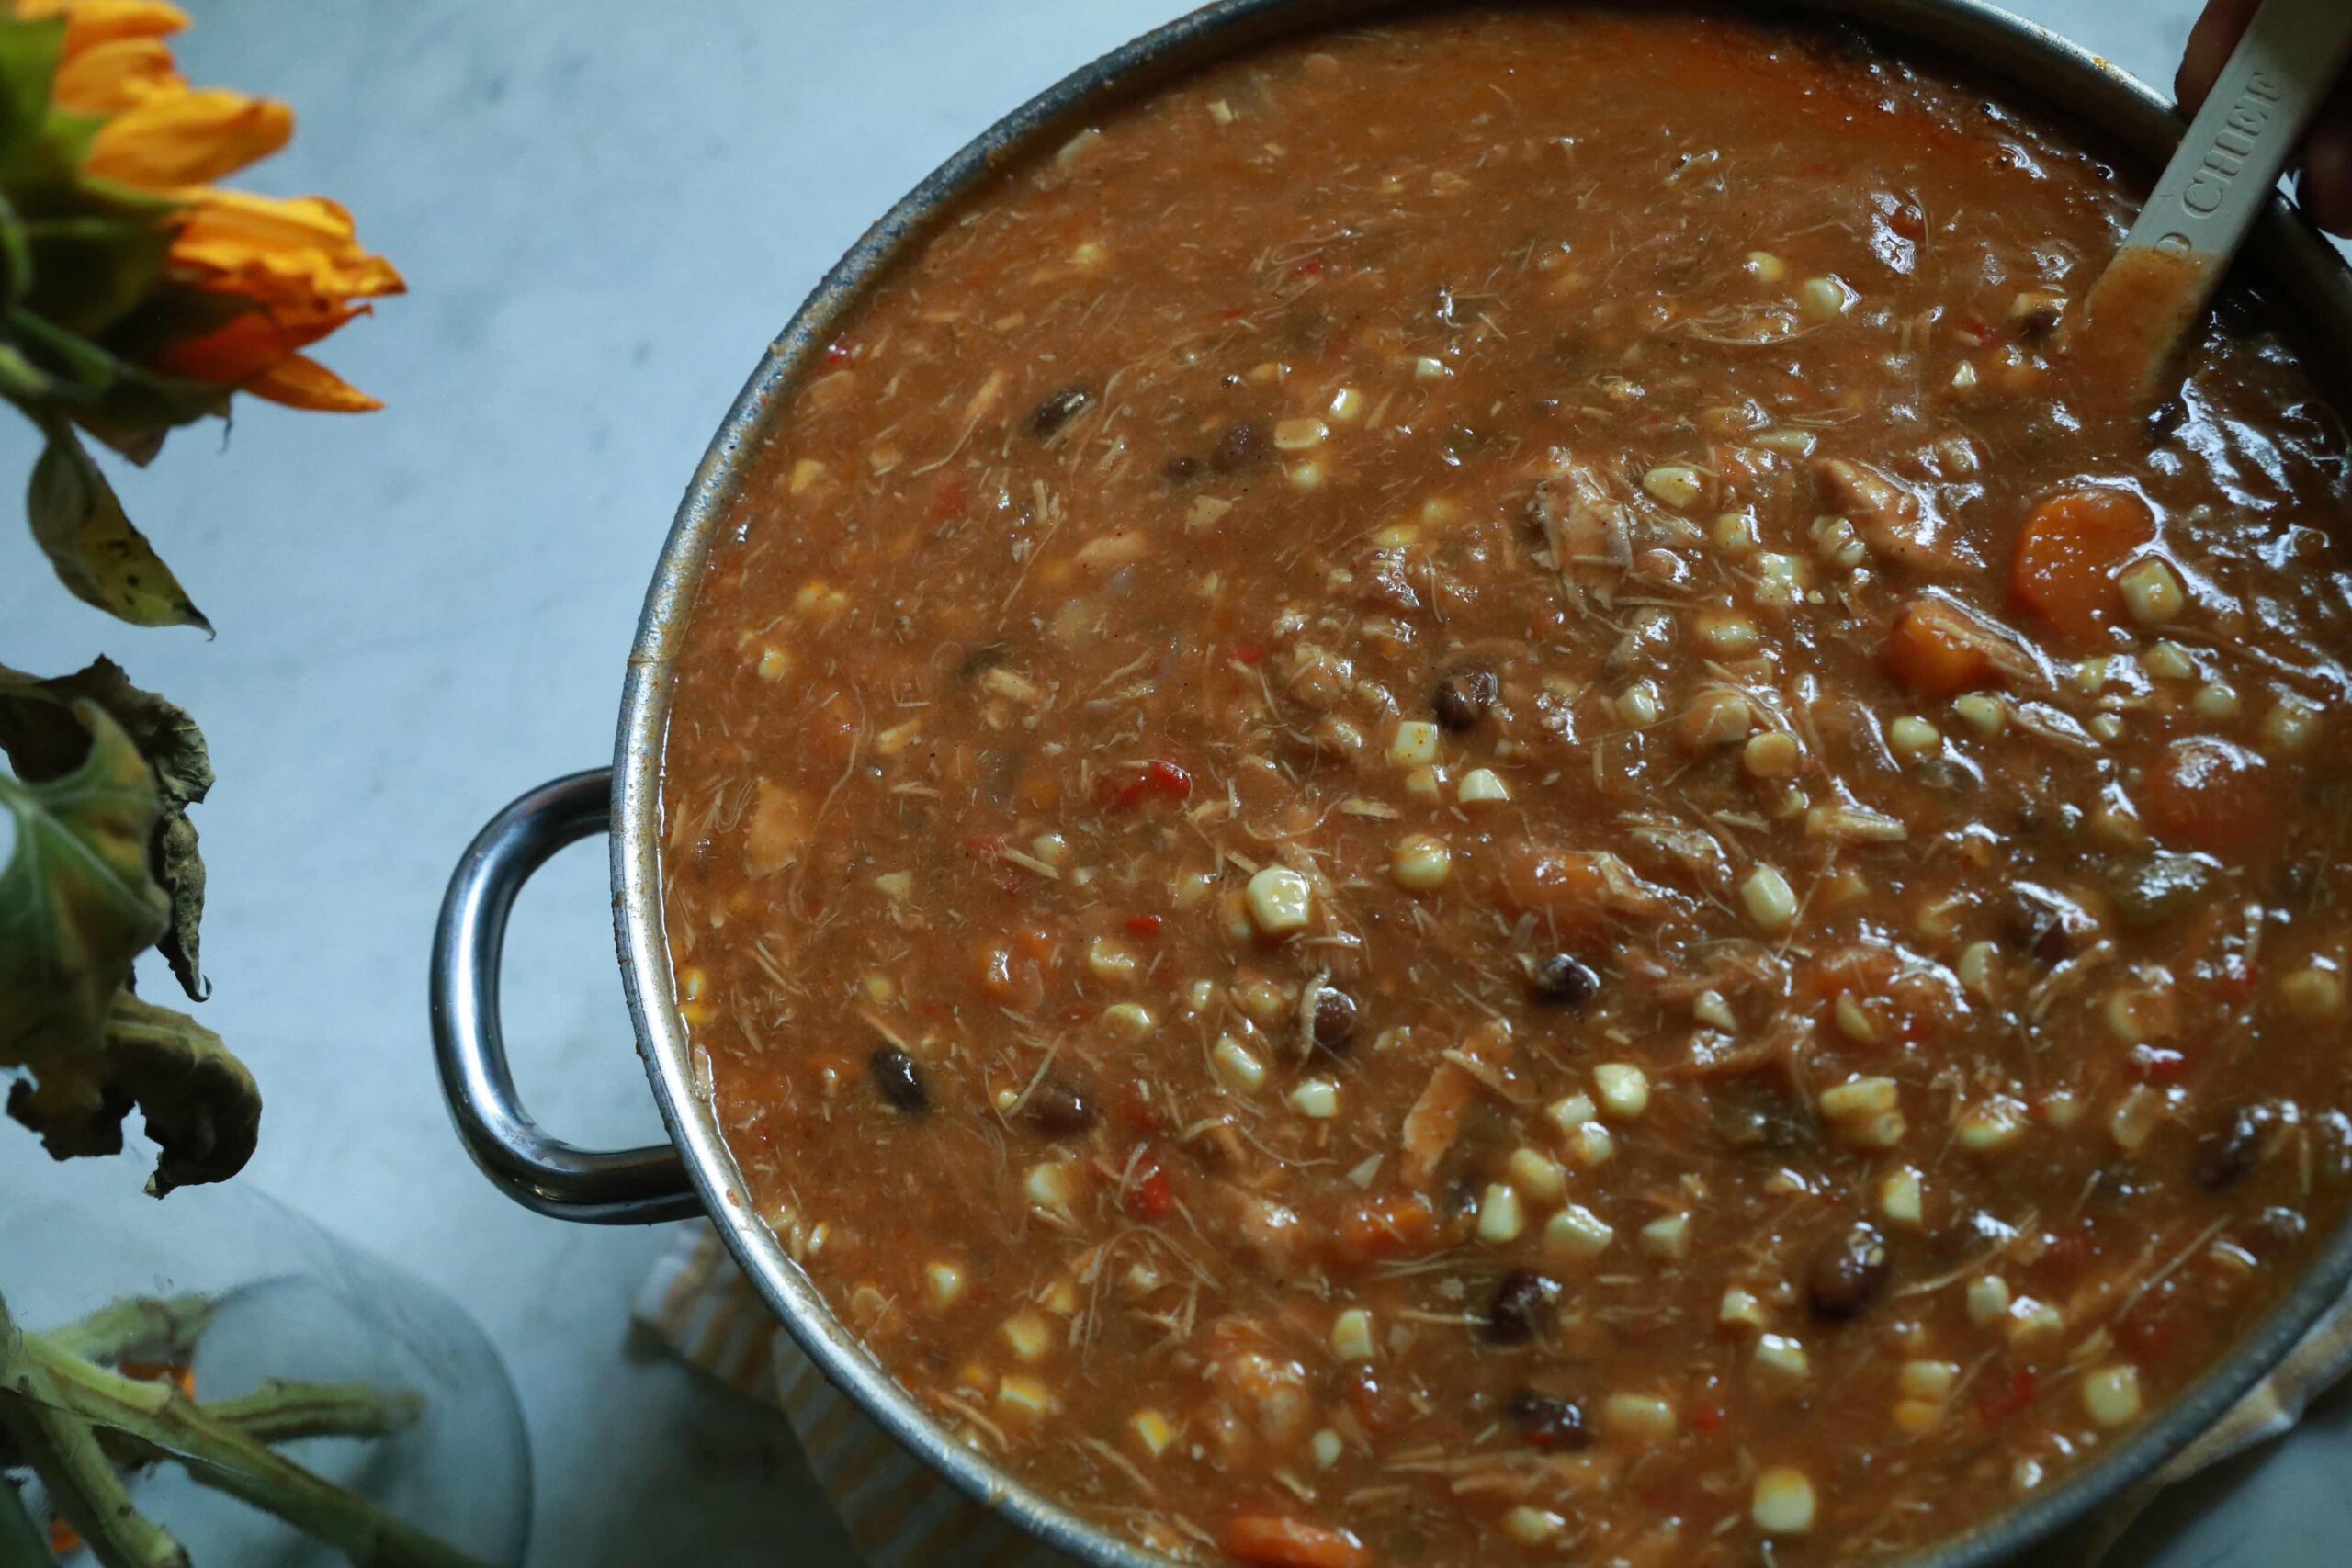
(599, 1187)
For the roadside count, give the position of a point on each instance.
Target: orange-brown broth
(1046, 625)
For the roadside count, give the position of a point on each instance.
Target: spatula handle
(2274, 83)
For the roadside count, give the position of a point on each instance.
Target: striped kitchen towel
(900, 1514)
(897, 1513)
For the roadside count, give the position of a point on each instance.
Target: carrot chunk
(1278, 1541)
(1922, 653)
(2205, 794)
(2065, 562)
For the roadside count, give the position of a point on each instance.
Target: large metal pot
(695, 1173)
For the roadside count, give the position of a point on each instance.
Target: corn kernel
(1899, 1199)
(1426, 785)
(1328, 1447)
(1481, 787)
(1347, 405)
(1928, 1379)
(1986, 715)
(1790, 441)
(2214, 700)
(1152, 1430)
(1781, 1358)
(1740, 1308)
(1624, 1089)
(1988, 1300)
(1912, 737)
(2289, 725)
(1571, 1113)
(1976, 969)
(1281, 901)
(944, 1284)
(1858, 1097)
(1772, 904)
(1916, 1415)
(1112, 961)
(1991, 1126)
(1824, 298)
(1668, 1237)
(1675, 484)
(1735, 534)
(1853, 1021)
(1641, 1417)
(1781, 1501)
(1538, 1175)
(1415, 744)
(1531, 1526)
(1640, 707)
(2134, 1118)
(1023, 1395)
(1127, 1022)
(1237, 1065)
(1352, 1335)
(1774, 754)
(1765, 267)
(1428, 369)
(1500, 1216)
(2168, 661)
(2151, 592)
(2111, 1395)
(1592, 1144)
(2312, 995)
(1298, 435)
(1421, 864)
(1316, 1099)
(1577, 1235)
(1050, 1184)
(1031, 1337)
(1726, 633)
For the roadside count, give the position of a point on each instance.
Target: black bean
(1180, 470)
(2225, 1156)
(1058, 410)
(2165, 421)
(2158, 888)
(2041, 319)
(1242, 444)
(1463, 695)
(1521, 1303)
(1848, 1274)
(1333, 1023)
(1564, 980)
(900, 1081)
(1059, 1107)
(1546, 1422)
(2048, 925)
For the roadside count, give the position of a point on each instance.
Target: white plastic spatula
(2211, 193)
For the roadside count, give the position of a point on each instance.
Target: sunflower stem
(136, 1328)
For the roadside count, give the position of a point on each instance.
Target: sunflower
(245, 282)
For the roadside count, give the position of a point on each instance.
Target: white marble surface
(604, 210)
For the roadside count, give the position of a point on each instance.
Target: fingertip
(2326, 190)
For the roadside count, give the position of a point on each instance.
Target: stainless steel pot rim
(2045, 67)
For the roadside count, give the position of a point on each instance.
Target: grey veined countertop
(604, 210)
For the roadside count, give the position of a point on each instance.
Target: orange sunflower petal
(300, 382)
(281, 249)
(109, 77)
(245, 346)
(93, 22)
(188, 138)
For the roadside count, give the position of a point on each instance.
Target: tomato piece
(1157, 777)
(1390, 1225)
(1145, 925)
(2208, 795)
(2065, 562)
(1281, 1540)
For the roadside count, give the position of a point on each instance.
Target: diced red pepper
(2157, 1064)
(840, 352)
(1707, 1418)
(1147, 1196)
(1157, 777)
(1145, 925)
(1249, 653)
(951, 497)
(2008, 1396)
